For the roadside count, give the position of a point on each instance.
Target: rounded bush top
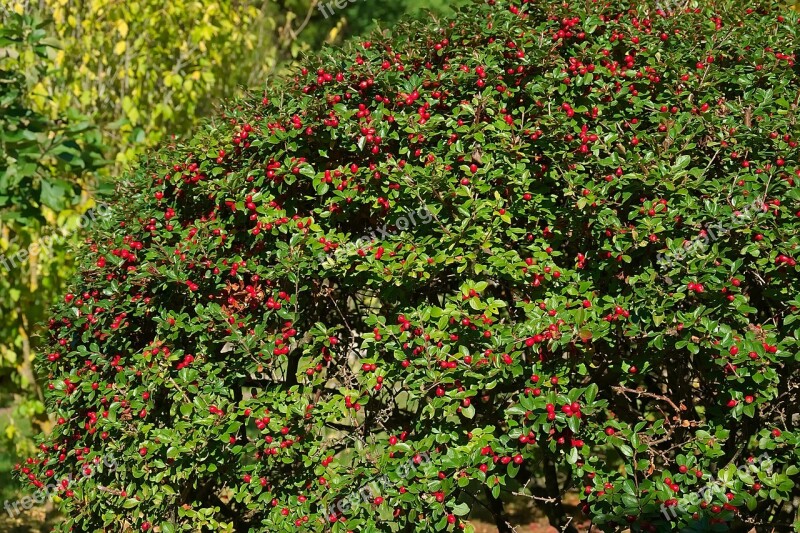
(535, 248)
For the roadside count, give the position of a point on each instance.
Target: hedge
(530, 250)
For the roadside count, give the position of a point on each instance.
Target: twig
(623, 390)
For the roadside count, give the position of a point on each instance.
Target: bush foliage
(531, 249)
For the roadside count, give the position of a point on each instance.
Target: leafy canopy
(522, 250)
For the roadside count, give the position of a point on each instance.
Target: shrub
(577, 272)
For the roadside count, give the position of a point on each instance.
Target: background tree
(46, 167)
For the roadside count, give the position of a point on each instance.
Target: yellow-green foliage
(146, 69)
(47, 165)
